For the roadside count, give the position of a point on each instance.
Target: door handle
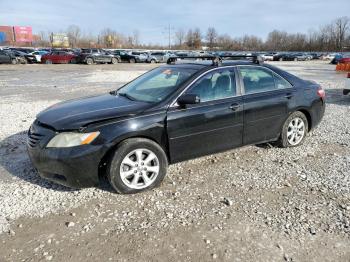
(234, 107)
(288, 96)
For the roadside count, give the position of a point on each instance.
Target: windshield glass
(156, 85)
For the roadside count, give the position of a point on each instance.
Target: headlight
(72, 139)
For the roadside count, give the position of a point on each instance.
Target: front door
(213, 125)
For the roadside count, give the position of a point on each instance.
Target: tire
(125, 160)
(132, 60)
(89, 61)
(114, 61)
(281, 59)
(294, 137)
(295, 59)
(48, 62)
(153, 61)
(73, 61)
(13, 61)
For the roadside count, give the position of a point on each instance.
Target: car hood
(77, 113)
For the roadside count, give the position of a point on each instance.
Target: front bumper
(75, 167)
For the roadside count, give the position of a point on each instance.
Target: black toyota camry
(182, 110)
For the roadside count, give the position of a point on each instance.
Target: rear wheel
(294, 130)
(132, 60)
(138, 164)
(153, 61)
(13, 61)
(114, 61)
(89, 61)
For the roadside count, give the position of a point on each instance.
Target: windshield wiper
(127, 96)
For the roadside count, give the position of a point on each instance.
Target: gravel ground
(254, 203)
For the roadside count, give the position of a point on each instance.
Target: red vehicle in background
(59, 57)
(345, 60)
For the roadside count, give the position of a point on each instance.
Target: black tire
(283, 141)
(123, 149)
(73, 61)
(89, 61)
(48, 62)
(114, 61)
(153, 61)
(14, 61)
(132, 60)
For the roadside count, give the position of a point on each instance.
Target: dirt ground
(257, 203)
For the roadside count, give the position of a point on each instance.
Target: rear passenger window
(214, 86)
(281, 83)
(257, 80)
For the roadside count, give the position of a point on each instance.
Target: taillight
(321, 93)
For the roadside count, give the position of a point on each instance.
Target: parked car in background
(268, 56)
(173, 113)
(93, 55)
(126, 57)
(7, 57)
(59, 57)
(142, 56)
(330, 56)
(158, 57)
(337, 58)
(285, 57)
(301, 57)
(23, 57)
(38, 55)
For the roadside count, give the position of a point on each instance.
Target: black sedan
(172, 113)
(7, 57)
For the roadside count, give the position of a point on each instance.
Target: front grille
(34, 139)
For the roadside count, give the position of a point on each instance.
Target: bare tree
(73, 32)
(211, 37)
(197, 38)
(180, 37)
(136, 38)
(341, 27)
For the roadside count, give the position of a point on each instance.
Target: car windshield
(156, 85)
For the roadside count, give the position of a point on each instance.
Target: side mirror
(188, 99)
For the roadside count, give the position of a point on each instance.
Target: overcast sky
(150, 17)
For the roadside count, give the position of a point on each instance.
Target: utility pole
(168, 32)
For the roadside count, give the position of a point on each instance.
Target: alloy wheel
(139, 169)
(295, 131)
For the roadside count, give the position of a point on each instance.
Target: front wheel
(294, 130)
(138, 164)
(114, 61)
(132, 60)
(13, 61)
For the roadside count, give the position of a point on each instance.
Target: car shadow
(15, 160)
(336, 96)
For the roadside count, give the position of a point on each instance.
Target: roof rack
(256, 59)
(173, 59)
(216, 60)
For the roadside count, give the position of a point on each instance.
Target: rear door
(4, 57)
(267, 98)
(213, 125)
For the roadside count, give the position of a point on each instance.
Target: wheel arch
(109, 153)
(307, 115)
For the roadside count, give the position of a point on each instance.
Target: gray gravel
(297, 193)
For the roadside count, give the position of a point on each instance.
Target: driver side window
(215, 85)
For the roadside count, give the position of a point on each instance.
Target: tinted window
(215, 85)
(257, 80)
(281, 82)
